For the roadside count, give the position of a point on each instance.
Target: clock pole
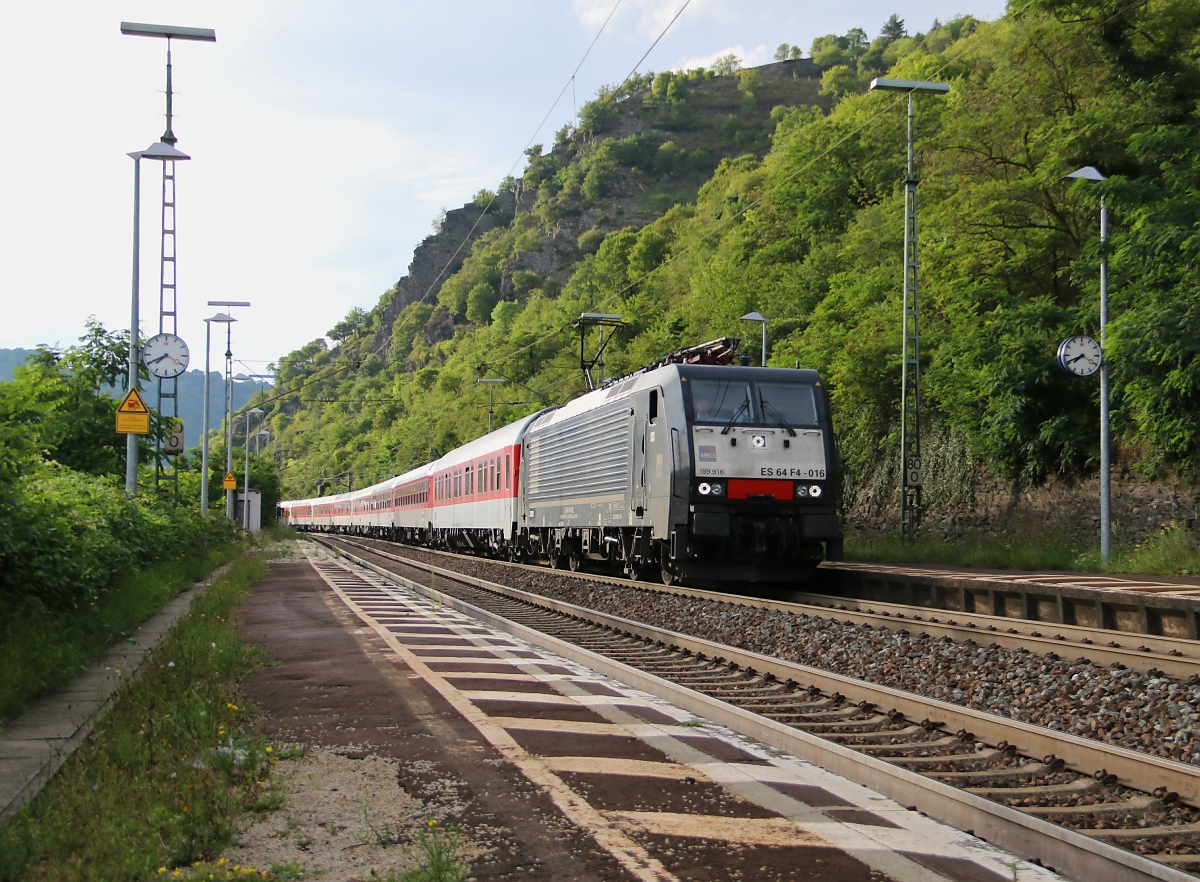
(1091, 173)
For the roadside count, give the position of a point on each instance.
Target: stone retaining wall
(1062, 509)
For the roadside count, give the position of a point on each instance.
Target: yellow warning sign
(230, 482)
(133, 417)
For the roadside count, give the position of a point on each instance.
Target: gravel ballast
(1157, 715)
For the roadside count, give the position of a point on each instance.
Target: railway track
(1071, 801)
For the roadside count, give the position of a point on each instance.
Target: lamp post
(491, 384)
(164, 153)
(1090, 173)
(229, 400)
(227, 320)
(759, 317)
(910, 369)
(246, 483)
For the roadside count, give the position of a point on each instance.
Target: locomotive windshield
(762, 403)
(721, 401)
(792, 403)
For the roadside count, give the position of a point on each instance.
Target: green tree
(349, 326)
(893, 29)
(839, 80)
(727, 65)
(480, 302)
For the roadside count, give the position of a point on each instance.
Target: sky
(325, 138)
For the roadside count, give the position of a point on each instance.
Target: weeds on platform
(437, 851)
(995, 552)
(164, 776)
(1169, 551)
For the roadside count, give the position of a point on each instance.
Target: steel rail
(1073, 854)
(988, 629)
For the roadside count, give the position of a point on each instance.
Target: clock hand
(160, 358)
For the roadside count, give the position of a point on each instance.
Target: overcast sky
(325, 138)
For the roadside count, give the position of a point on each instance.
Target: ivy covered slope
(809, 233)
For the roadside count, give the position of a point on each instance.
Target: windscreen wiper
(737, 413)
(766, 405)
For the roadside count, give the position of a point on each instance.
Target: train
(696, 470)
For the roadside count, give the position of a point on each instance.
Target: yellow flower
(162, 870)
(268, 750)
(432, 823)
(221, 862)
(231, 706)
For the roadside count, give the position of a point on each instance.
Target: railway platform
(1161, 606)
(560, 772)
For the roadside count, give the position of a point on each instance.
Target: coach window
(507, 469)
(653, 405)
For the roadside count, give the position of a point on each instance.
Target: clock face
(165, 355)
(1079, 356)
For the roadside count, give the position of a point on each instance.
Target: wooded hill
(683, 202)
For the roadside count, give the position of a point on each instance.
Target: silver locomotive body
(703, 473)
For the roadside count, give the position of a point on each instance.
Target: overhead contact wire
(570, 81)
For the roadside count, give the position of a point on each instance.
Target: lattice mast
(168, 313)
(910, 377)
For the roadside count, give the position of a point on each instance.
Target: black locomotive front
(764, 482)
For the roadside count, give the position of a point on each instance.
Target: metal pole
(204, 424)
(131, 440)
(229, 417)
(1105, 462)
(764, 351)
(910, 378)
(246, 483)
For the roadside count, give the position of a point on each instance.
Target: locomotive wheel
(668, 578)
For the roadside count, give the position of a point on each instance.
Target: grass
(437, 852)
(1169, 551)
(162, 779)
(41, 650)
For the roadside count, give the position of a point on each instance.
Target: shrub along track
(1112, 794)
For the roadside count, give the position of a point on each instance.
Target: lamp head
(221, 317)
(754, 317)
(884, 84)
(171, 32)
(1087, 173)
(163, 152)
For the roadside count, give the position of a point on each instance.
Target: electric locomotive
(695, 469)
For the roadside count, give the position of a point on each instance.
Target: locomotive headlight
(705, 488)
(814, 491)
(716, 489)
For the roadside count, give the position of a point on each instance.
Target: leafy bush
(65, 536)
